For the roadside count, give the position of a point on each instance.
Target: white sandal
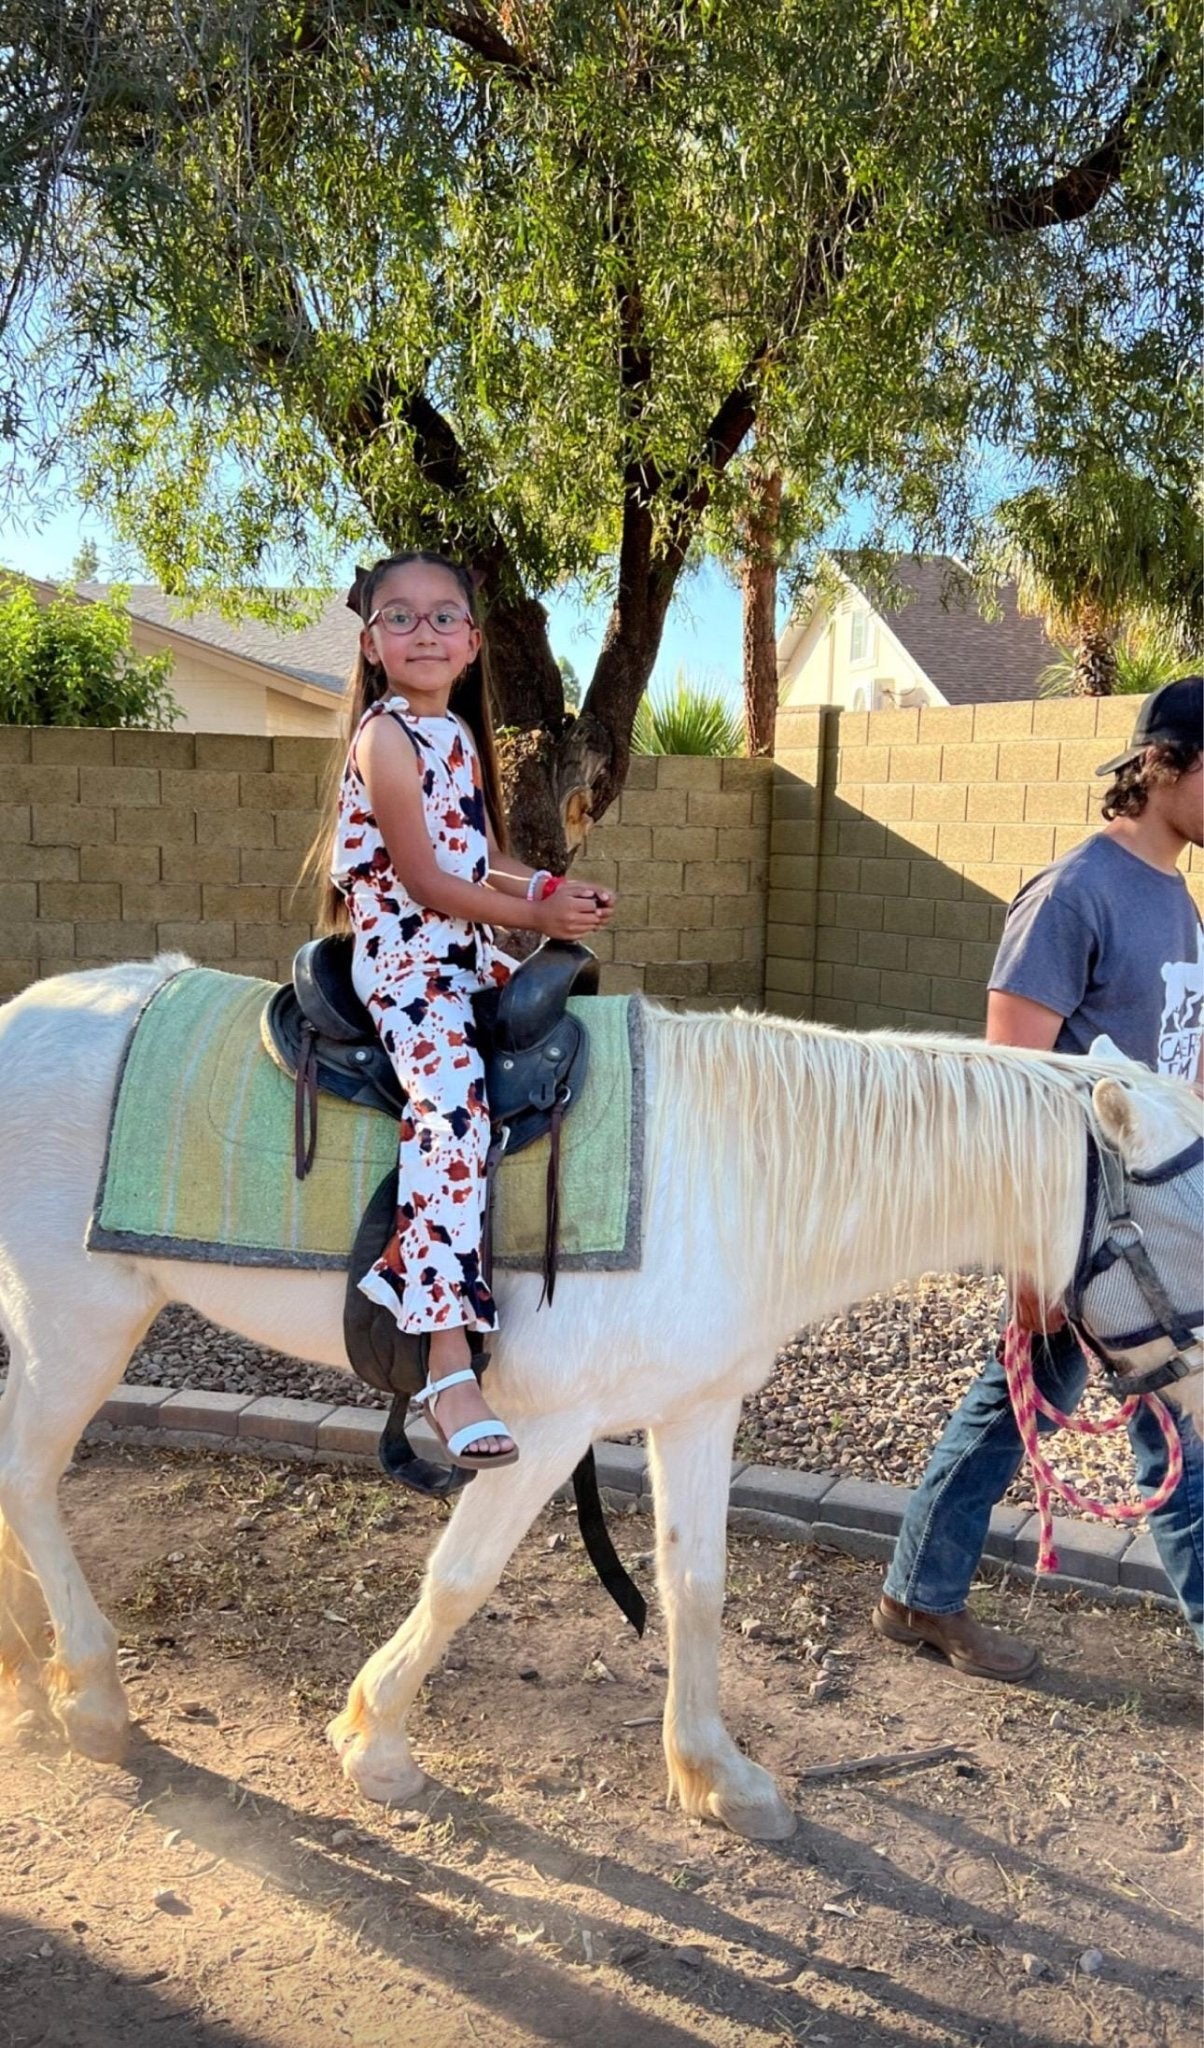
(458, 1444)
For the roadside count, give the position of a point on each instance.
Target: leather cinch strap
(305, 1103)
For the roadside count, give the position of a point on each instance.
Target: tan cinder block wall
(900, 837)
(687, 848)
(118, 845)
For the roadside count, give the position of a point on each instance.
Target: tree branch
(1078, 190)
(471, 27)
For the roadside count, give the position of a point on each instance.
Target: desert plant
(689, 719)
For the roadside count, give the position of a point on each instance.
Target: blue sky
(702, 632)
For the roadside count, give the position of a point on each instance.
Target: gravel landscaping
(864, 1395)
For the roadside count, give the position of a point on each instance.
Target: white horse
(790, 1170)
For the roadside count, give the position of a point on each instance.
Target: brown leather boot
(970, 1646)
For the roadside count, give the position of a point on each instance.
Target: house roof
(320, 653)
(970, 659)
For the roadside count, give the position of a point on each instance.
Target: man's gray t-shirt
(1112, 944)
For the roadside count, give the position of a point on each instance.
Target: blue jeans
(978, 1456)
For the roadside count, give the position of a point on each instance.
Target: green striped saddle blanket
(199, 1162)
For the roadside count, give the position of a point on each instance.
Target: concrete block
(1089, 1552)
(622, 1467)
(200, 789)
(864, 1543)
(1003, 721)
(275, 792)
(215, 1414)
(1006, 1524)
(280, 1419)
(40, 785)
(234, 751)
(16, 742)
(134, 1407)
(301, 755)
(242, 828)
(1141, 1567)
(154, 750)
(866, 1504)
(119, 786)
(1028, 761)
(946, 723)
(975, 763)
(351, 1429)
(770, 1489)
(68, 746)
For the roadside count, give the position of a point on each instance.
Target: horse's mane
(809, 1126)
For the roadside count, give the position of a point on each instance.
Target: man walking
(1107, 939)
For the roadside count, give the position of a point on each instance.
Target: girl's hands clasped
(575, 910)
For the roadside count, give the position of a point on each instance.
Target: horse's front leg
(708, 1775)
(491, 1517)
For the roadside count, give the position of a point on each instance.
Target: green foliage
(1099, 543)
(689, 719)
(571, 681)
(1147, 656)
(520, 281)
(72, 663)
(275, 247)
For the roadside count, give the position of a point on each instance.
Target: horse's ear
(1114, 1111)
(1105, 1048)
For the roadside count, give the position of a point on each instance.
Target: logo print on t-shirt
(1182, 1015)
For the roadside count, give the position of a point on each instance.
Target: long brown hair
(1162, 762)
(471, 699)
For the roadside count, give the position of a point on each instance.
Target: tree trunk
(759, 591)
(1095, 662)
(561, 773)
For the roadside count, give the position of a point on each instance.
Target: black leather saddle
(320, 1033)
(536, 1056)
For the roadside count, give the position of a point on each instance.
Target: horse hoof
(382, 1771)
(93, 1731)
(765, 1821)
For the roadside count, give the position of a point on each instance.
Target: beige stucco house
(243, 677)
(936, 648)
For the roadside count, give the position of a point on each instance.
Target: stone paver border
(857, 1516)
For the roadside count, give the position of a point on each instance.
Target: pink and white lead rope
(1026, 1400)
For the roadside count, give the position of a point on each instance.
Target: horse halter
(1113, 1259)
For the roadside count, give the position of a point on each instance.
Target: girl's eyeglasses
(399, 619)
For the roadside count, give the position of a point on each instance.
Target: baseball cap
(1175, 712)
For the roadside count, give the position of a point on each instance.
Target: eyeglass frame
(463, 618)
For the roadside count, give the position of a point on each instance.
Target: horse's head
(1139, 1282)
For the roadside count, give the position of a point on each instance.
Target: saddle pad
(199, 1163)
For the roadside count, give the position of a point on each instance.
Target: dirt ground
(227, 1886)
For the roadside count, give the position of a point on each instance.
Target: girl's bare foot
(464, 1404)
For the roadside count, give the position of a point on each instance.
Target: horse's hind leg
(708, 1775)
(49, 1400)
(491, 1517)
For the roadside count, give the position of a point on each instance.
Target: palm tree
(1147, 656)
(1096, 547)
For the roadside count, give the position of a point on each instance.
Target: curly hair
(1165, 761)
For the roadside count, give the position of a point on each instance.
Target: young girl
(418, 868)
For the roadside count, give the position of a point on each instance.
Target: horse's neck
(838, 1176)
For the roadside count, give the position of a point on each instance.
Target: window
(859, 636)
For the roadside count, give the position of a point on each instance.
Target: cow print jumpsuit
(417, 972)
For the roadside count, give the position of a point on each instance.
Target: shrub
(73, 663)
